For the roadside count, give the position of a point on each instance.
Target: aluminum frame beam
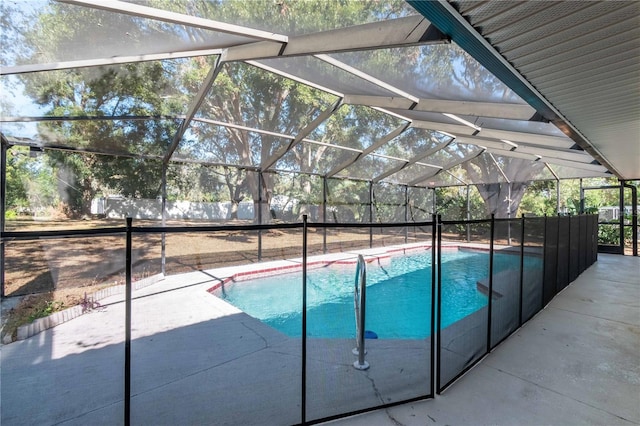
(384, 140)
(413, 160)
(406, 31)
(140, 11)
(193, 107)
(116, 60)
(446, 167)
(269, 162)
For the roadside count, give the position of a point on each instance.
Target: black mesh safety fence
(397, 330)
(243, 310)
(564, 253)
(574, 247)
(584, 244)
(593, 235)
(463, 313)
(533, 266)
(506, 279)
(549, 289)
(65, 279)
(203, 337)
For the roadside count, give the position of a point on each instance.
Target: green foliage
(539, 199)
(242, 94)
(44, 309)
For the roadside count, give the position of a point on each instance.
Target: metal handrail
(359, 304)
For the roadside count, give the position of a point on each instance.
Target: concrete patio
(577, 362)
(197, 360)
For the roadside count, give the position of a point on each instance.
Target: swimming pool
(398, 296)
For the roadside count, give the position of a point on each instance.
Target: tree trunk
(499, 200)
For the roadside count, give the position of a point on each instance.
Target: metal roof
(565, 93)
(577, 62)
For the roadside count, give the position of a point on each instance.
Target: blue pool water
(398, 296)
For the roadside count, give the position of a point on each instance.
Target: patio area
(576, 362)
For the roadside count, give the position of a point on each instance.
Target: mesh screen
(420, 205)
(550, 259)
(307, 157)
(80, 279)
(295, 195)
(348, 201)
(532, 282)
(505, 308)
(398, 345)
(209, 194)
(207, 356)
(389, 205)
(564, 252)
(51, 189)
(70, 266)
(463, 315)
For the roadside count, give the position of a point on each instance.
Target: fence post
(490, 305)
(163, 249)
(259, 216)
(324, 214)
(406, 214)
(3, 193)
(439, 296)
(304, 320)
(370, 213)
(127, 341)
(522, 234)
(434, 332)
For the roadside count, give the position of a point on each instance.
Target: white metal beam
(389, 136)
(294, 78)
(65, 65)
(391, 102)
(406, 31)
(341, 65)
(324, 115)
(447, 166)
(413, 160)
(140, 11)
(477, 109)
(196, 102)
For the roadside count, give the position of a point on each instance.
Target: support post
(468, 216)
(522, 235)
(490, 304)
(127, 341)
(439, 300)
(433, 207)
(435, 333)
(303, 403)
(370, 213)
(163, 249)
(581, 199)
(634, 217)
(557, 195)
(406, 216)
(621, 217)
(259, 213)
(324, 214)
(3, 200)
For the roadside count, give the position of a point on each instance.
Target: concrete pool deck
(577, 362)
(197, 360)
